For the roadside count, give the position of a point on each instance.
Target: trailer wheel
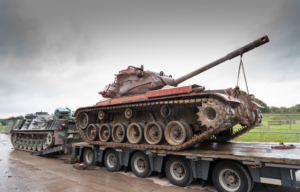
(252, 184)
(140, 165)
(230, 176)
(111, 161)
(89, 158)
(178, 171)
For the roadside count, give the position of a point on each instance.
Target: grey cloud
(20, 35)
(69, 50)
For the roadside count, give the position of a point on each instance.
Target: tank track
(31, 133)
(244, 130)
(206, 135)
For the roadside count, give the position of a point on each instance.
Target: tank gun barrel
(240, 51)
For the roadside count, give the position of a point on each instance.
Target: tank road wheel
(92, 132)
(135, 132)
(119, 132)
(177, 132)
(154, 133)
(29, 144)
(140, 165)
(111, 161)
(84, 120)
(129, 113)
(34, 145)
(89, 158)
(45, 144)
(21, 143)
(224, 134)
(178, 171)
(231, 176)
(39, 145)
(105, 132)
(25, 143)
(49, 139)
(211, 114)
(165, 111)
(14, 137)
(17, 143)
(102, 115)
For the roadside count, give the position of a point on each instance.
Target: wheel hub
(106, 133)
(140, 164)
(229, 180)
(177, 171)
(154, 133)
(177, 133)
(111, 160)
(136, 133)
(120, 132)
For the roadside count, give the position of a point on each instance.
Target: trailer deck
(257, 160)
(235, 151)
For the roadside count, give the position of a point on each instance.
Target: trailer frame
(264, 165)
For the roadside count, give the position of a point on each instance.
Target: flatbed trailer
(232, 166)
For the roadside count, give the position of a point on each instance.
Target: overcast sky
(61, 53)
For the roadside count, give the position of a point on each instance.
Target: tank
(149, 110)
(40, 131)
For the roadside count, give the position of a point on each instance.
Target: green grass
(276, 118)
(3, 127)
(271, 137)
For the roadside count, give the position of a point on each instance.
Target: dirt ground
(20, 171)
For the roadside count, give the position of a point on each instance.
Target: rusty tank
(148, 110)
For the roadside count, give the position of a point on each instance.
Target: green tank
(40, 131)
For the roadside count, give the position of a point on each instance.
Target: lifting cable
(241, 64)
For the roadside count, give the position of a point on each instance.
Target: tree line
(279, 110)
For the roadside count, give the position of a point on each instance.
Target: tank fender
(225, 97)
(256, 105)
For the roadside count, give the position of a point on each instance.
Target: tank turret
(134, 80)
(63, 112)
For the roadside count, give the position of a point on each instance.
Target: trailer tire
(180, 177)
(89, 158)
(231, 176)
(252, 184)
(140, 165)
(111, 161)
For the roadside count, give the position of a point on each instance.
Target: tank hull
(54, 132)
(187, 123)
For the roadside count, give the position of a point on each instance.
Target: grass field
(3, 127)
(271, 137)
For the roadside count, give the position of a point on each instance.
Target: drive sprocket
(211, 114)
